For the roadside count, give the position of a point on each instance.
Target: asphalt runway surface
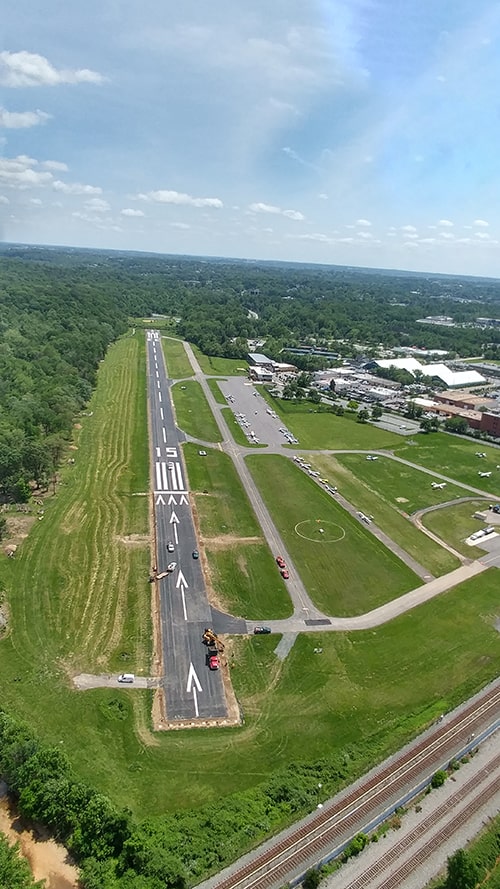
(191, 689)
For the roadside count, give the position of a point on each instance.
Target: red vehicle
(214, 662)
(285, 573)
(280, 562)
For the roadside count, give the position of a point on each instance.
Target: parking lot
(244, 398)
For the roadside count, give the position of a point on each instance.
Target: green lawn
(454, 523)
(404, 487)
(228, 367)
(193, 413)
(363, 488)
(242, 571)
(454, 456)
(216, 391)
(236, 430)
(318, 429)
(178, 364)
(246, 581)
(346, 570)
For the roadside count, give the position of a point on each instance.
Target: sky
(351, 132)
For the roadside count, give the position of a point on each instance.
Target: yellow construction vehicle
(211, 638)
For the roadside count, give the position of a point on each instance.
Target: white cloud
(22, 69)
(36, 202)
(484, 236)
(181, 225)
(57, 166)
(364, 223)
(75, 187)
(96, 205)
(95, 219)
(278, 211)
(3, 199)
(446, 223)
(315, 236)
(323, 196)
(179, 198)
(447, 235)
(18, 172)
(391, 234)
(365, 235)
(412, 235)
(408, 228)
(129, 211)
(481, 223)
(21, 120)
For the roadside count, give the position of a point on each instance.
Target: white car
(171, 566)
(170, 546)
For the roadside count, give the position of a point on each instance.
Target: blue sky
(357, 132)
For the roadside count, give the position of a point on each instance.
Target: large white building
(449, 377)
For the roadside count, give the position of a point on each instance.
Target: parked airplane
(484, 474)
(437, 485)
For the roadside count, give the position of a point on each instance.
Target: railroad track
(456, 810)
(338, 821)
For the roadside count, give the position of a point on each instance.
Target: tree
(438, 778)
(429, 425)
(312, 879)
(314, 396)
(463, 873)
(332, 386)
(376, 412)
(3, 527)
(459, 425)
(363, 416)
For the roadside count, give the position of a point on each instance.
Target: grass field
(322, 430)
(192, 412)
(455, 523)
(216, 391)
(236, 430)
(363, 488)
(241, 567)
(178, 364)
(346, 570)
(454, 456)
(228, 367)
(67, 615)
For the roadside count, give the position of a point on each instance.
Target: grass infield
(192, 412)
(178, 364)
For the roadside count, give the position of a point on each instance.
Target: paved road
(191, 689)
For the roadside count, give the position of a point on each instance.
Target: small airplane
(437, 486)
(484, 474)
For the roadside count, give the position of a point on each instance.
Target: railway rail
(332, 827)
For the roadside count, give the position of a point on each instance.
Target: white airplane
(437, 486)
(484, 474)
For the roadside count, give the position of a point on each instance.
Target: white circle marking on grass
(326, 529)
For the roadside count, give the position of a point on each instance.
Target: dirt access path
(48, 860)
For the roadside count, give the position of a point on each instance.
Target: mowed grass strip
(192, 411)
(78, 585)
(346, 570)
(216, 391)
(246, 581)
(228, 367)
(318, 430)
(455, 457)
(177, 361)
(368, 494)
(243, 573)
(455, 523)
(237, 432)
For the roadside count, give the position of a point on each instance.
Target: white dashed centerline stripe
(158, 384)
(161, 413)
(159, 397)
(176, 536)
(158, 476)
(164, 435)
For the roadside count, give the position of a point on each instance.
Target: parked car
(196, 554)
(170, 546)
(285, 573)
(261, 631)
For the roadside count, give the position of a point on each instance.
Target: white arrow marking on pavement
(183, 500)
(171, 500)
(184, 603)
(173, 518)
(192, 677)
(181, 580)
(160, 500)
(158, 452)
(176, 534)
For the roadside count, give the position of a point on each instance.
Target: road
(191, 690)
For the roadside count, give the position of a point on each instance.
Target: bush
(438, 778)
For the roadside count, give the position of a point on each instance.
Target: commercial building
(490, 423)
(434, 371)
(256, 359)
(462, 398)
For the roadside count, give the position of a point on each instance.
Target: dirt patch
(135, 540)
(48, 860)
(402, 500)
(72, 448)
(224, 541)
(18, 528)
(77, 425)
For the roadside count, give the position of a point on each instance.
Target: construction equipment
(210, 638)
